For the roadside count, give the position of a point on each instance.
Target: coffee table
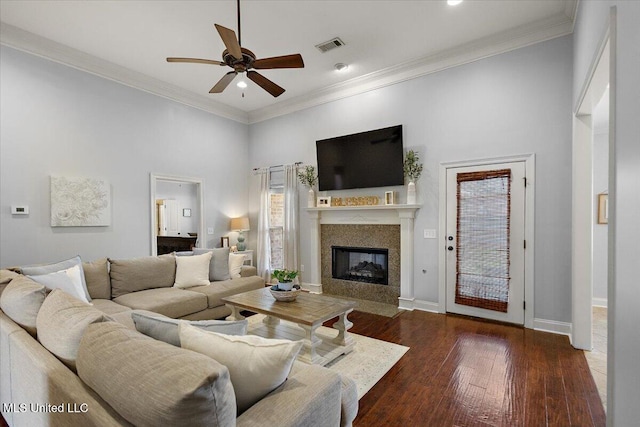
(302, 318)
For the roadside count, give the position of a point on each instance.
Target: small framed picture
(186, 212)
(224, 241)
(324, 202)
(603, 208)
(389, 197)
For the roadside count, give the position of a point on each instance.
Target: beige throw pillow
(257, 365)
(61, 321)
(192, 270)
(21, 300)
(235, 265)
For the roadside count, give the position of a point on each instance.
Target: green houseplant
(285, 278)
(412, 170)
(308, 178)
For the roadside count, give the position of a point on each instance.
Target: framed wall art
(80, 202)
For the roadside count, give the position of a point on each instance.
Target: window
(276, 219)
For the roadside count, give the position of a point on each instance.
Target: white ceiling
(386, 42)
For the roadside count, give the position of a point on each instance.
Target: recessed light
(241, 84)
(341, 66)
(453, 2)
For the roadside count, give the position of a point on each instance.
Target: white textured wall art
(80, 202)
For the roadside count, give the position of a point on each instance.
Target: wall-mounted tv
(362, 160)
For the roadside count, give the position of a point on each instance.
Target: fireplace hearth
(357, 264)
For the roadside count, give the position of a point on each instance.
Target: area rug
(369, 361)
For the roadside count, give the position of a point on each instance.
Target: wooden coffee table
(302, 318)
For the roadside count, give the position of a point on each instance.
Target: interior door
(485, 242)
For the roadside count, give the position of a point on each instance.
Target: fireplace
(368, 265)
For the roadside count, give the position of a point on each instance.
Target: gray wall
(60, 121)
(623, 375)
(514, 103)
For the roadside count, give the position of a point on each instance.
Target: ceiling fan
(244, 61)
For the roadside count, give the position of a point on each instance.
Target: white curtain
(264, 242)
(290, 237)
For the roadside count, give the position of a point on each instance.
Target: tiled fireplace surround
(378, 226)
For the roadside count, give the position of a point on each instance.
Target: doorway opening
(176, 213)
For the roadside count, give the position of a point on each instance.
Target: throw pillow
(21, 300)
(36, 270)
(139, 274)
(235, 265)
(257, 365)
(192, 271)
(96, 275)
(68, 280)
(61, 321)
(166, 329)
(219, 267)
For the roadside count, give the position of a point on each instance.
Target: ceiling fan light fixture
(241, 84)
(341, 66)
(454, 2)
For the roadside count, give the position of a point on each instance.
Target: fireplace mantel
(369, 214)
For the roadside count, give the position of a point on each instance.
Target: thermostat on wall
(19, 210)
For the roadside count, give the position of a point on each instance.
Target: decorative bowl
(285, 296)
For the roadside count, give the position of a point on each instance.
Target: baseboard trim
(555, 327)
(599, 302)
(414, 304)
(315, 288)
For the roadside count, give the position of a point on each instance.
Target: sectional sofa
(65, 362)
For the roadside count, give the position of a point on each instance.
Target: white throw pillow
(192, 270)
(235, 265)
(257, 366)
(37, 270)
(69, 280)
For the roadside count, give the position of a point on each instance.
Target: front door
(485, 242)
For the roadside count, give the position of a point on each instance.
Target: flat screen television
(362, 160)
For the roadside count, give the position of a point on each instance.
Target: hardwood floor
(466, 372)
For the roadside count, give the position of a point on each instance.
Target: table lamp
(240, 225)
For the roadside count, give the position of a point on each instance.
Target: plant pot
(285, 286)
(311, 200)
(411, 193)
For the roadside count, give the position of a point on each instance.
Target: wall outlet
(301, 267)
(429, 233)
(210, 230)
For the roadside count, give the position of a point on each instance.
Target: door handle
(450, 248)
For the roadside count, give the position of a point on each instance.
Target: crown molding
(17, 38)
(536, 32)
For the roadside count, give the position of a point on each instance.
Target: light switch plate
(429, 233)
(210, 230)
(19, 210)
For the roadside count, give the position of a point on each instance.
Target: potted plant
(308, 178)
(285, 278)
(412, 170)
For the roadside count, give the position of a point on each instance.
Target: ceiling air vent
(331, 44)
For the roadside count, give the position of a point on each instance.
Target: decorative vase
(311, 200)
(411, 193)
(285, 286)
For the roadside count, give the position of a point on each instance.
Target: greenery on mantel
(308, 176)
(412, 166)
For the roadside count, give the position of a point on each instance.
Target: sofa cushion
(137, 274)
(109, 307)
(219, 265)
(171, 302)
(218, 290)
(96, 274)
(192, 270)
(257, 365)
(166, 329)
(21, 300)
(151, 383)
(69, 280)
(236, 261)
(61, 321)
(36, 270)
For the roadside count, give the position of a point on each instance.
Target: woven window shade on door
(483, 221)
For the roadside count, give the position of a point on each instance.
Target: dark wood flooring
(466, 372)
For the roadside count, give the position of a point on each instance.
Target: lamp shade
(239, 224)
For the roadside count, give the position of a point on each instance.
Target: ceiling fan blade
(230, 41)
(265, 83)
(286, 61)
(196, 61)
(223, 82)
